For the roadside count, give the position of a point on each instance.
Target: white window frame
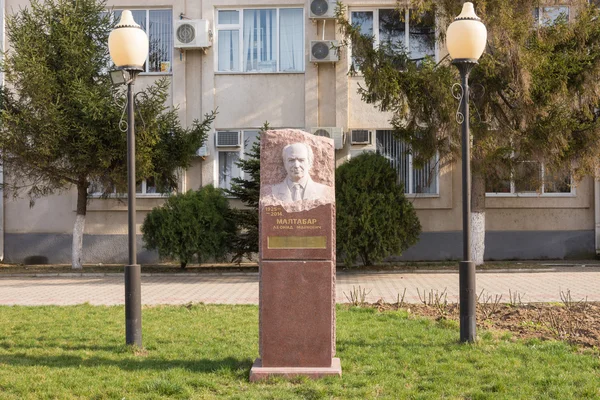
(145, 189)
(147, 10)
(115, 195)
(375, 11)
(239, 149)
(240, 28)
(540, 193)
(408, 187)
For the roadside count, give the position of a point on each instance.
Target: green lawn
(207, 351)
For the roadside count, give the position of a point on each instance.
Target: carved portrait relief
(298, 185)
(294, 176)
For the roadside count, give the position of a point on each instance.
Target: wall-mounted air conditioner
(228, 138)
(332, 133)
(202, 151)
(191, 34)
(322, 9)
(361, 137)
(324, 51)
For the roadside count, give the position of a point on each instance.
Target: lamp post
(466, 39)
(128, 47)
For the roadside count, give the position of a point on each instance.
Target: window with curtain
(291, 39)
(415, 180)
(260, 40)
(228, 168)
(158, 24)
(389, 26)
(227, 159)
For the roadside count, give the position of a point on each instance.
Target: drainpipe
(597, 209)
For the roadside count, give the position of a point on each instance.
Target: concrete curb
(593, 268)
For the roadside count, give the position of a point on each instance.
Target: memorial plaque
(297, 256)
(303, 235)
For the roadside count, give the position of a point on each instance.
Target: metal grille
(396, 153)
(228, 139)
(320, 50)
(319, 7)
(186, 33)
(424, 179)
(323, 132)
(360, 136)
(415, 180)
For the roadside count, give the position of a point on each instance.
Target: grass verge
(205, 352)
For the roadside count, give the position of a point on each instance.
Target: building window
(260, 40)
(390, 27)
(415, 180)
(228, 158)
(228, 168)
(546, 16)
(145, 188)
(158, 24)
(530, 178)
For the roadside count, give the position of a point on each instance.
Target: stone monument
(297, 257)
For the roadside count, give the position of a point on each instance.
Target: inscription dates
(274, 211)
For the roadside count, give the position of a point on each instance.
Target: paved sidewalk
(242, 288)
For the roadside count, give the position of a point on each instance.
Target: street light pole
(128, 47)
(133, 290)
(466, 270)
(466, 40)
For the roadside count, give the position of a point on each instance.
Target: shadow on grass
(63, 347)
(239, 366)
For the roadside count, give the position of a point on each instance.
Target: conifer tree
(60, 114)
(247, 189)
(538, 105)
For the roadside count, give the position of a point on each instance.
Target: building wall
(323, 95)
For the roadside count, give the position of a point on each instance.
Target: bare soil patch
(575, 322)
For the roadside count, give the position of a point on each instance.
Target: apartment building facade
(273, 61)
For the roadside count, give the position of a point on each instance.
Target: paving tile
(243, 288)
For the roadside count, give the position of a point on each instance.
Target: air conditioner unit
(322, 9)
(324, 51)
(228, 139)
(361, 136)
(202, 151)
(191, 34)
(332, 133)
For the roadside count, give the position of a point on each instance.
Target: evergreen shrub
(198, 223)
(247, 189)
(374, 218)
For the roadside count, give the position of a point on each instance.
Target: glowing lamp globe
(128, 44)
(466, 37)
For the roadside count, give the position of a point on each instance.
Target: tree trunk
(477, 218)
(77, 249)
